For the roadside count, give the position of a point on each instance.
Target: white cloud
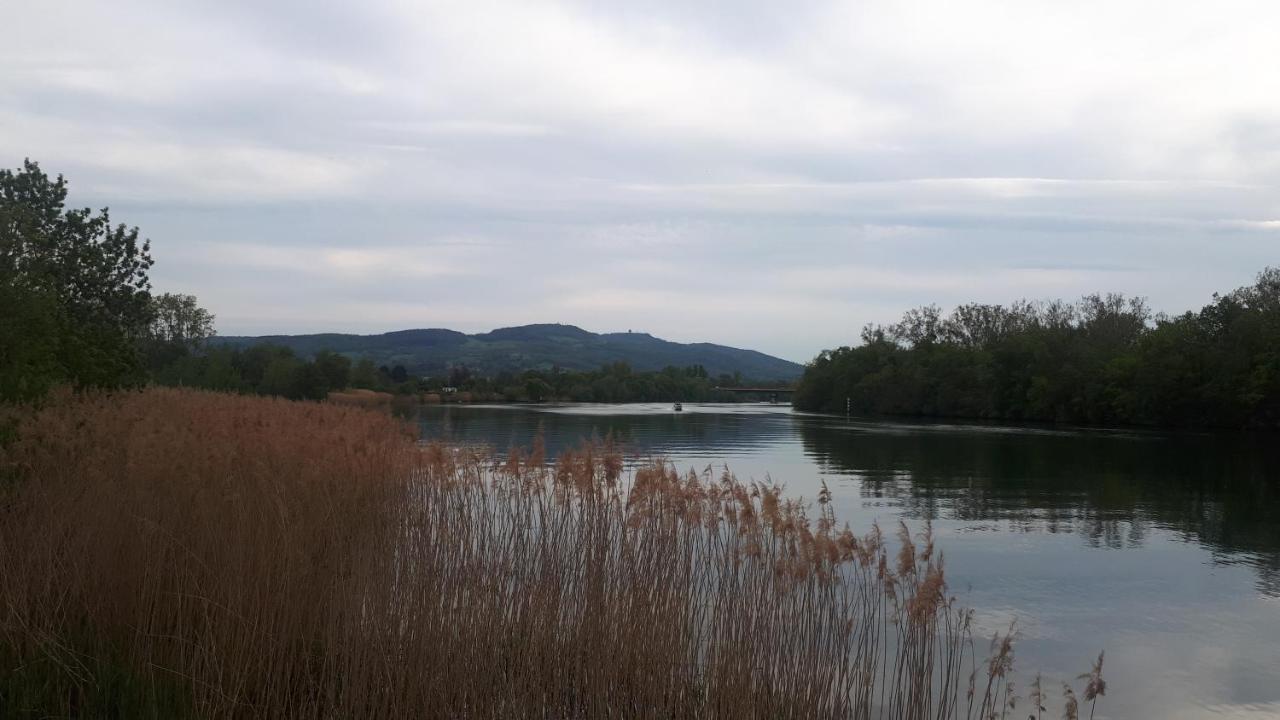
(128, 163)
(1254, 224)
(356, 264)
(660, 167)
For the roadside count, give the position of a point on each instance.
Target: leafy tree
(399, 374)
(253, 363)
(31, 329)
(1105, 359)
(178, 326)
(80, 285)
(335, 368)
(262, 369)
(364, 375)
(180, 319)
(538, 389)
(278, 377)
(308, 382)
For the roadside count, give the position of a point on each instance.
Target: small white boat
(677, 407)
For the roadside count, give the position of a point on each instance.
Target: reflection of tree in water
(1111, 489)
(977, 502)
(667, 433)
(1222, 491)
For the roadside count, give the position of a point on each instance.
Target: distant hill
(432, 352)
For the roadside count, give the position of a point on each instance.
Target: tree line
(1106, 359)
(611, 383)
(76, 296)
(275, 370)
(79, 310)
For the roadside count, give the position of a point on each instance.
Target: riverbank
(180, 553)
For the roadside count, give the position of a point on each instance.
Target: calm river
(1163, 549)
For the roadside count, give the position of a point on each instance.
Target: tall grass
(359, 397)
(174, 553)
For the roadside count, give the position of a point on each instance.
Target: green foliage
(32, 331)
(272, 369)
(1104, 360)
(177, 327)
(179, 319)
(612, 383)
(432, 352)
(74, 287)
(398, 374)
(364, 375)
(335, 368)
(261, 369)
(282, 376)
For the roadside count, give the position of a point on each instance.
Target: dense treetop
(74, 288)
(1105, 359)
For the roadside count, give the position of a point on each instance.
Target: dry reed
(174, 553)
(360, 397)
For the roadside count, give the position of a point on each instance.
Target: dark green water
(1161, 548)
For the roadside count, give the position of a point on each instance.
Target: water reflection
(1108, 487)
(702, 431)
(1164, 548)
(1111, 488)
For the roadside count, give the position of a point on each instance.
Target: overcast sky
(770, 175)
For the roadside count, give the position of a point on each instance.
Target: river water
(1161, 548)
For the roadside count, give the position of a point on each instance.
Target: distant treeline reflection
(1103, 360)
(1110, 488)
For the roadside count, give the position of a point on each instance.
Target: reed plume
(1094, 685)
(173, 553)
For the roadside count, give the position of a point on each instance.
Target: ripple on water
(1164, 549)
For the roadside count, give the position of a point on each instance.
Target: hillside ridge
(427, 351)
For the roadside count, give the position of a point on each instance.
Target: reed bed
(360, 397)
(173, 553)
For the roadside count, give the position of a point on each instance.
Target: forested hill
(429, 352)
(1104, 360)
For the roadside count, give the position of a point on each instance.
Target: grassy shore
(175, 553)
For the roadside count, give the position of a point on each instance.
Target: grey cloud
(759, 174)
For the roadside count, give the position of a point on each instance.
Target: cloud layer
(770, 175)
